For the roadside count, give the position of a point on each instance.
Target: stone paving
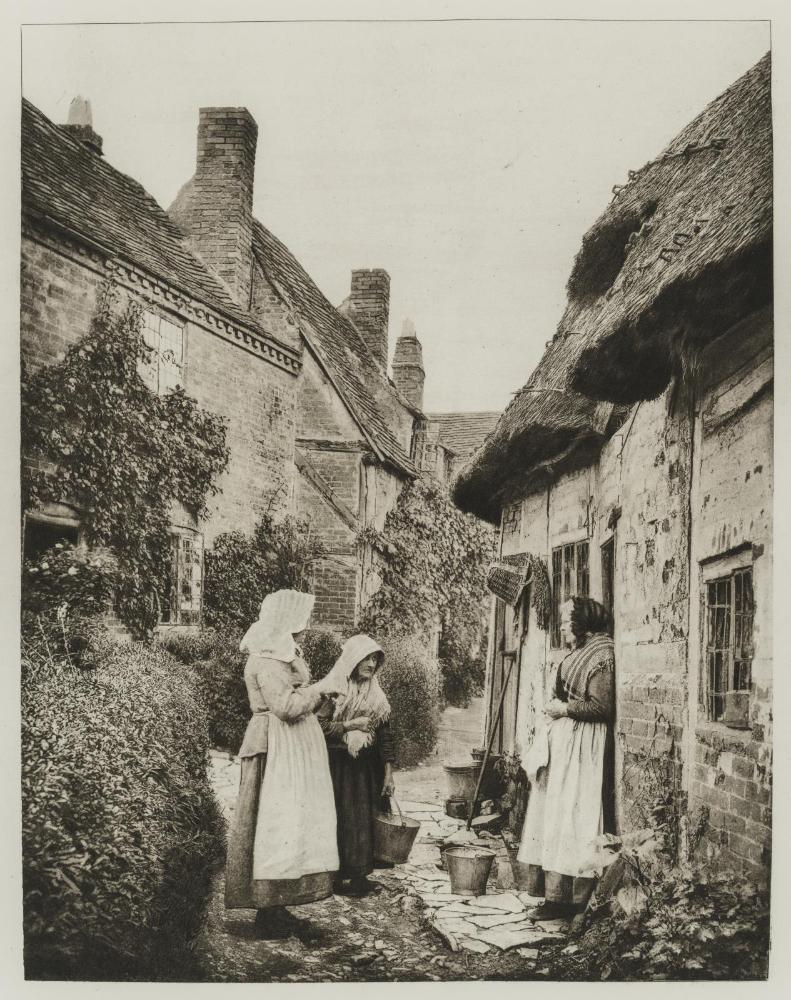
(496, 920)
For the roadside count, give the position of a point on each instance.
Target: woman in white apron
(570, 766)
(283, 846)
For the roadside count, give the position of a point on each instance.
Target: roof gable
(65, 182)
(336, 343)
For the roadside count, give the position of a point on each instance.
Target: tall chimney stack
(369, 303)
(80, 125)
(215, 208)
(408, 372)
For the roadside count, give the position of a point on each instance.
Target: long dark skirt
(357, 783)
(242, 891)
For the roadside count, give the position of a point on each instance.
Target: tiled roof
(336, 341)
(64, 181)
(464, 433)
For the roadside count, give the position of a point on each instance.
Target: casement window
(165, 369)
(183, 602)
(570, 578)
(730, 608)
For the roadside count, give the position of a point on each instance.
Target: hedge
(412, 683)
(121, 830)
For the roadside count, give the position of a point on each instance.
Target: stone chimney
(80, 125)
(215, 208)
(408, 372)
(369, 304)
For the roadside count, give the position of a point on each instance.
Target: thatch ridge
(693, 230)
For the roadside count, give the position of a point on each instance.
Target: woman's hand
(362, 723)
(388, 788)
(556, 709)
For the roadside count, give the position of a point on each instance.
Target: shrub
(463, 668)
(83, 580)
(321, 648)
(121, 831)
(680, 922)
(412, 684)
(216, 667)
(241, 570)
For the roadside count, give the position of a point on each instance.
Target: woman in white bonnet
(282, 849)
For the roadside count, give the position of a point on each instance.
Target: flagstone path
(494, 922)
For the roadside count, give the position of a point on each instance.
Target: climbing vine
(95, 436)
(433, 569)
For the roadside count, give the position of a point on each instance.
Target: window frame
(725, 575)
(180, 539)
(570, 575)
(158, 364)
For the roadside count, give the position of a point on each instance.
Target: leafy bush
(121, 830)
(463, 668)
(321, 648)
(412, 684)
(241, 570)
(82, 579)
(216, 668)
(189, 647)
(680, 923)
(123, 451)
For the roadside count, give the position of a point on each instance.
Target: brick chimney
(80, 125)
(215, 208)
(408, 372)
(369, 304)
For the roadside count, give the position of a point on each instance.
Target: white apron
(564, 811)
(296, 829)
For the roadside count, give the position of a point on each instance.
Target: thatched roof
(683, 252)
(544, 427)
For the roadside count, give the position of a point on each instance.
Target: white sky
(467, 159)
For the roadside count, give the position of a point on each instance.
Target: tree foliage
(121, 453)
(433, 574)
(240, 570)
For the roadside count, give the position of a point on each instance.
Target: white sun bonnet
(282, 614)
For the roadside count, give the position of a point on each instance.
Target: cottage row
(636, 467)
(316, 426)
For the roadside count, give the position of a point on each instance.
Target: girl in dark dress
(361, 756)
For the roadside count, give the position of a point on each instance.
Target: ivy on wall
(434, 560)
(104, 442)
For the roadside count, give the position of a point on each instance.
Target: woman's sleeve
(283, 700)
(384, 741)
(599, 705)
(329, 726)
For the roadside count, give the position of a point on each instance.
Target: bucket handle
(393, 799)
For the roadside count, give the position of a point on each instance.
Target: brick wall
(58, 297)
(662, 466)
(216, 207)
(335, 587)
(733, 498)
(58, 301)
(370, 300)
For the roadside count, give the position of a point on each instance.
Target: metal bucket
(469, 869)
(462, 779)
(394, 836)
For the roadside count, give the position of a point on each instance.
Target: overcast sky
(467, 159)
